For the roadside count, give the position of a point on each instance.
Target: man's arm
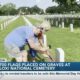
(34, 46)
(41, 41)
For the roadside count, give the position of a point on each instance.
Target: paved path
(27, 21)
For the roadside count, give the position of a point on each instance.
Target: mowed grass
(68, 41)
(63, 38)
(4, 33)
(34, 21)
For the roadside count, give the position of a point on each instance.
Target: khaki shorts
(12, 50)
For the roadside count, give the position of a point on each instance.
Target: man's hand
(36, 47)
(43, 49)
(39, 48)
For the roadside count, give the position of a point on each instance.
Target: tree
(55, 9)
(51, 10)
(0, 9)
(28, 10)
(36, 10)
(23, 10)
(8, 8)
(69, 5)
(66, 2)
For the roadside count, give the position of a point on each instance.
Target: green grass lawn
(34, 21)
(63, 38)
(3, 34)
(68, 41)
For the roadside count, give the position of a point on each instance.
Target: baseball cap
(45, 25)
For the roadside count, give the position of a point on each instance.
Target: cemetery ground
(56, 37)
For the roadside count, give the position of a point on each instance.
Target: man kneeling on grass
(15, 42)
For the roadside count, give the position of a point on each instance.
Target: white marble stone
(59, 55)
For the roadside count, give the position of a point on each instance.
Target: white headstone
(59, 25)
(51, 21)
(2, 27)
(6, 23)
(56, 23)
(45, 40)
(62, 24)
(59, 55)
(45, 44)
(71, 27)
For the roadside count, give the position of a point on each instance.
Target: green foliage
(64, 6)
(8, 9)
(66, 3)
(36, 10)
(13, 60)
(55, 9)
(23, 10)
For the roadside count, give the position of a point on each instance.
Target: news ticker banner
(39, 66)
(40, 75)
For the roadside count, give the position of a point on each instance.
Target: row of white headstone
(37, 17)
(62, 25)
(60, 57)
(8, 21)
(71, 26)
(62, 16)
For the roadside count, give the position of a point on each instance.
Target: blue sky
(41, 3)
